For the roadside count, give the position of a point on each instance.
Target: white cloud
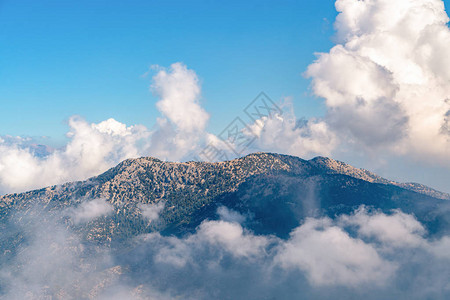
(92, 149)
(90, 210)
(440, 248)
(280, 132)
(233, 238)
(285, 133)
(179, 92)
(322, 259)
(182, 128)
(95, 147)
(330, 256)
(229, 215)
(224, 236)
(385, 83)
(152, 211)
(176, 252)
(325, 250)
(395, 230)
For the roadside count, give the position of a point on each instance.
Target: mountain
(148, 229)
(271, 187)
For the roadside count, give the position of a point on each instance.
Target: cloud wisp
(90, 210)
(151, 211)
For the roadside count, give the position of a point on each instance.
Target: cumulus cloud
(398, 229)
(95, 147)
(177, 135)
(385, 83)
(181, 130)
(179, 91)
(285, 133)
(90, 210)
(233, 238)
(331, 257)
(279, 131)
(92, 148)
(226, 237)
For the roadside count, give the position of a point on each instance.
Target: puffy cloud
(285, 133)
(90, 210)
(179, 92)
(95, 147)
(226, 237)
(182, 128)
(396, 230)
(331, 257)
(280, 131)
(233, 238)
(100, 146)
(385, 83)
(322, 258)
(92, 149)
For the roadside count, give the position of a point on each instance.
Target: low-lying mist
(366, 254)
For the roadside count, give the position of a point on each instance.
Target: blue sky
(94, 58)
(60, 58)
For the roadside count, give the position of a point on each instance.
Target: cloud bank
(367, 254)
(323, 257)
(385, 83)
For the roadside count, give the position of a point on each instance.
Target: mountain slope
(148, 229)
(276, 191)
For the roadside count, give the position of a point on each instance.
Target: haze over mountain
(138, 227)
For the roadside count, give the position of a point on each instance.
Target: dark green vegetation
(48, 251)
(275, 192)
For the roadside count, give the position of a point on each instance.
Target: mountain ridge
(319, 161)
(270, 185)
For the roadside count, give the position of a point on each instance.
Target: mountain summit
(258, 227)
(276, 191)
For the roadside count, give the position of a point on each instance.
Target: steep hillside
(278, 192)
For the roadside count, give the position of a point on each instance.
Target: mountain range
(268, 194)
(279, 191)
